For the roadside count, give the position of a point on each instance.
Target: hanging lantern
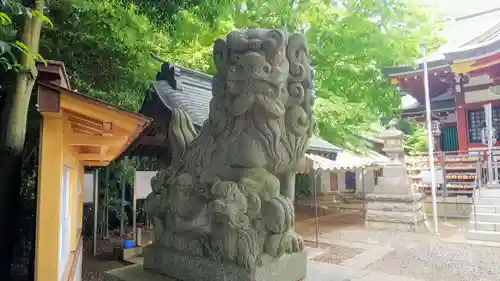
(484, 135)
(435, 128)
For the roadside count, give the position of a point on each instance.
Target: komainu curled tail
(181, 133)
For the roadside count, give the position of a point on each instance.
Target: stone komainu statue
(224, 209)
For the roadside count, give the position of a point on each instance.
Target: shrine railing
(455, 172)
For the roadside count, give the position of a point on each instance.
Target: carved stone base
(190, 268)
(395, 212)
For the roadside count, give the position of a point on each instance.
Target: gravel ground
(422, 256)
(334, 254)
(438, 261)
(94, 268)
(306, 223)
(425, 256)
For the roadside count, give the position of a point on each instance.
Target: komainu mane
(228, 197)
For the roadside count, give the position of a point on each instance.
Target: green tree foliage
(20, 27)
(350, 42)
(416, 138)
(415, 134)
(10, 11)
(354, 43)
(107, 45)
(303, 186)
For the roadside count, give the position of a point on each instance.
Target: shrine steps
(484, 223)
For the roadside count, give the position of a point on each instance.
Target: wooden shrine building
(76, 132)
(463, 76)
(191, 91)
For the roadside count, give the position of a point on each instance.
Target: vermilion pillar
(462, 126)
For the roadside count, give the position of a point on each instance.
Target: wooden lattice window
(477, 122)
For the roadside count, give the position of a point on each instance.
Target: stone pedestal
(394, 204)
(316, 272)
(191, 268)
(395, 212)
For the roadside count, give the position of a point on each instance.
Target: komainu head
(252, 71)
(264, 81)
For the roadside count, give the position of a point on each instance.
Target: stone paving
(391, 255)
(318, 271)
(401, 256)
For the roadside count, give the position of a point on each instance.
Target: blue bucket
(127, 244)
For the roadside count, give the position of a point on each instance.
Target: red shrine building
(463, 76)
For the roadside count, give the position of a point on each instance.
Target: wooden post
(106, 205)
(48, 199)
(122, 210)
(316, 223)
(123, 186)
(139, 237)
(134, 212)
(443, 167)
(96, 211)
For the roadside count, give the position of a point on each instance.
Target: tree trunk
(13, 120)
(32, 255)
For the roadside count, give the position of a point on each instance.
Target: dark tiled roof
(475, 50)
(435, 105)
(189, 100)
(471, 28)
(191, 91)
(319, 144)
(187, 89)
(490, 35)
(441, 101)
(470, 34)
(393, 70)
(408, 102)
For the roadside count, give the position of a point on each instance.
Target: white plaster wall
(142, 183)
(325, 181)
(341, 181)
(88, 188)
(451, 118)
(480, 96)
(479, 80)
(333, 182)
(359, 180)
(369, 180)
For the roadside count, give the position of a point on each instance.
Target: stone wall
(450, 207)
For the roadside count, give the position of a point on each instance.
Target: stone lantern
(394, 204)
(393, 145)
(436, 133)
